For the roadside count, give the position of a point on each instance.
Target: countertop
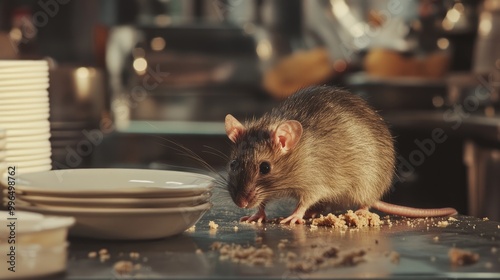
(422, 247)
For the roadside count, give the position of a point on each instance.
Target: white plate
(29, 163)
(34, 169)
(24, 106)
(128, 224)
(20, 101)
(24, 69)
(45, 155)
(6, 63)
(114, 182)
(20, 113)
(23, 75)
(111, 202)
(25, 152)
(29, 138)
(23, 94)
(26, 132)
(26, 117)
(41, 86)
(26, 125)
(24, 81)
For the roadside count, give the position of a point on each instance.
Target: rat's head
(259, 161)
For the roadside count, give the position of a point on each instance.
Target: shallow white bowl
(128, 224)
(20, 101)
(111, 202)
(24, 75)
(29, 138)
(35, 261)
(24, 106)
(114, 182)
(26, 125)
(12, 145)
(24, 69)
(29, 157)
(35, 228)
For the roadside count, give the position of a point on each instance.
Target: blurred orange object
(301, 69)
(388, 63)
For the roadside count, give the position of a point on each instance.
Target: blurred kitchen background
(130, 77)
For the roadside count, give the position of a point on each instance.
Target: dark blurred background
(130, 76)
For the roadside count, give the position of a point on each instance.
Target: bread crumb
(103, 252)
(199, 251)
(358, 219)
(462, 257)
(134, 255)
(436, 238)
(213, 225)
(281, 245)
(258, 239)
(486, 219)
(442, 224)
(246, 255)
(191, 229)
(494, 250)
(92, 255)
(235, 228)
(451, 219)
(394, 257)
(123, 267)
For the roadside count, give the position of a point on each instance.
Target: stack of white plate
(24, 114)
(118, 203)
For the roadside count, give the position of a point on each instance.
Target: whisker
(221, 154)
(191, 155)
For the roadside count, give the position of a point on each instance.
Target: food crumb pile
(461, 257)
(213, 225)
(351, 219)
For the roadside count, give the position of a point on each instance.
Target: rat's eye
(233, 165)
(265, 167)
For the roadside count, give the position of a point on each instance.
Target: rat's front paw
(293, 219)
(258, 217)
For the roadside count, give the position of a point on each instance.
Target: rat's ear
(288, 135)
(233, 128)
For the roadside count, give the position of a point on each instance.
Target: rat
(323, 146)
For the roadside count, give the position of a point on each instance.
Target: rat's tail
(411, 212)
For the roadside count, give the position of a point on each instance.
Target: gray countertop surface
(422, 247)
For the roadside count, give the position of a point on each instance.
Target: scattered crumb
(494, 250)
(451, 219)
(394, 257)
(462, 257)
(290, 256)
(199, 251)
(358, 219)
(235, 228)
(134, 255)
(103, 252)
(246, 255)
(191, 229)
(498, 226)
(486, 219)
(258, 239)
(123, 267)
(442, 224)
(92, 254)
(436, 238)
(213, 225)
(281, 245)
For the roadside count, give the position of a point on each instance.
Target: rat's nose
(242, 203)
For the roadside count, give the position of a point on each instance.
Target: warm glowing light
(485, 24)
(158, 44)
(339, 8)
(453, 15)
(163, 20)
(82, 73)
(443, 43)
(140, 65)
(264, 49)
